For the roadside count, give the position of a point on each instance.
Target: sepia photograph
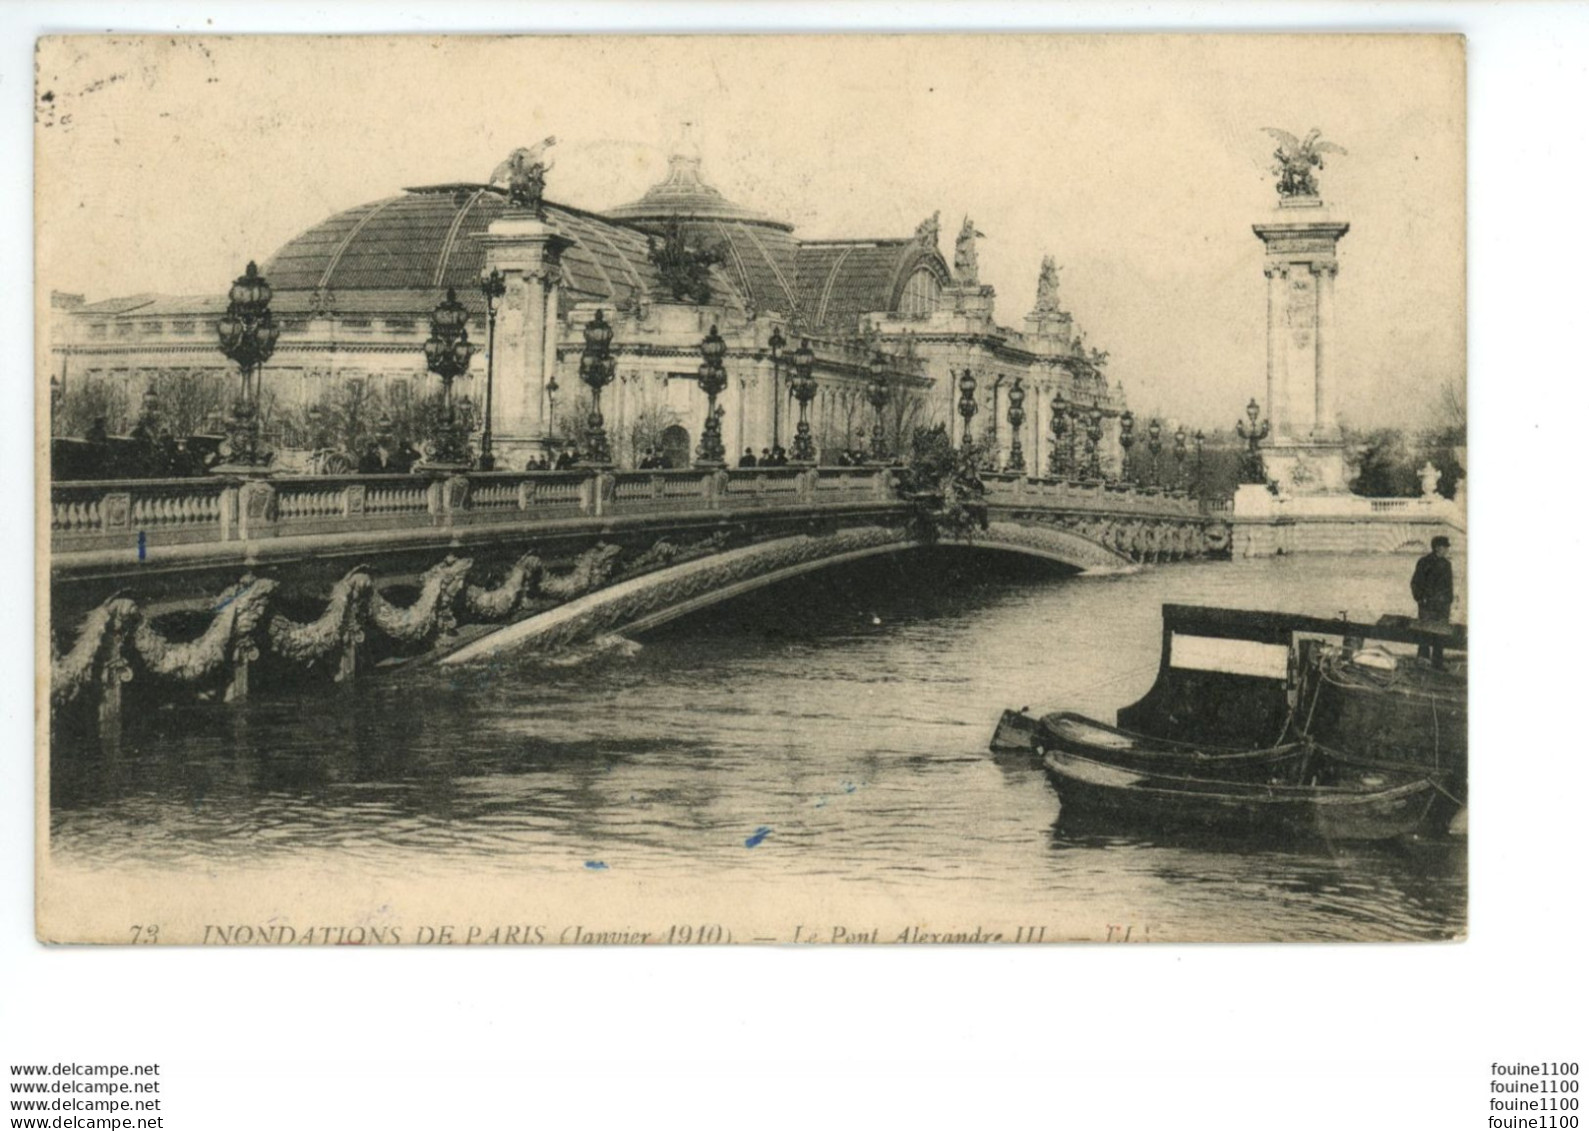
(751, 489)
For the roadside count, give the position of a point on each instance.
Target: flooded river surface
(829, 733)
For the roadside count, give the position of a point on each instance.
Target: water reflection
(849, 714)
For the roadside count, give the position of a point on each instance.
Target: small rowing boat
(1071, 733)
(1359, 806)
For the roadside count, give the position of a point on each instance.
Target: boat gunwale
(1171, 746)
(1241, 791)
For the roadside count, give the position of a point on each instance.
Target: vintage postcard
(751, 489)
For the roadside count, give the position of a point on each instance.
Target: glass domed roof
(682, 194)
(429, 239)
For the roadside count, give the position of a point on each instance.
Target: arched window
(920, 297)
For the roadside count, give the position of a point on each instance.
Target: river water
(829, 733)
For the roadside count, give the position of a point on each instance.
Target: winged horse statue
(524, 173)
(1295, 161)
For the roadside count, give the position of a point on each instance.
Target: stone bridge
(195, 587)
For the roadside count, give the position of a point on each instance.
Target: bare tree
(188, 402)
(906, 409)
(348, 418)
(573, 417)
(89, 400)
(1452, 410)
(645, 433)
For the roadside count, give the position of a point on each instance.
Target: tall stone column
(1304, 453)
(528, 252)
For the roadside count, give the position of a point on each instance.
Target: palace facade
(353, 297)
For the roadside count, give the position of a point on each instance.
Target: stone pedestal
(1304, 452)
(972, 301)
(528, 252)
(1308, 467)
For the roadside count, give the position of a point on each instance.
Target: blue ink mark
(596, 865)
(224, 601)
(822, 803)
(757, 837)
(143, 545)
(849, 787)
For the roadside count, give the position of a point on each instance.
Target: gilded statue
(524, 174)
(1295, 161)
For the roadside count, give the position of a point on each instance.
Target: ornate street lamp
(1076, 426)
(877, 393)
(1197, 440)
(447, 355)
(1016, 416)
(1056, 425)
(712, 377)
(1094, 436)
(1180, 457)
(492, 286)
(247, 334)
(1252, 469)
(804, 387)
(968, 406)
(1155, 446)
(55, 399)
(596, 369)
(1128, 437)
(775, 345)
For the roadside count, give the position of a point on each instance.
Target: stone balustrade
(1258, 503)
(1004, 489)
(143, 514)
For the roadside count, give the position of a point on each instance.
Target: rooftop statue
(966, 252)
(524, 173)
(684, 264)
(1295, 161)
(927, 232)
(1047, 288)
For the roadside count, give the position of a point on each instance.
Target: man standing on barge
(1433, 590)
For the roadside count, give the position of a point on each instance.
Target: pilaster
(528, 253)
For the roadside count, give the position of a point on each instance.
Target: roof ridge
(452, 238)
(877, 241)
(827, 290)
(783, 284)
(376, 209)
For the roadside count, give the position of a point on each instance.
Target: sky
(1138, 161)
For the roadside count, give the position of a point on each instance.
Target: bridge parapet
(1056, 494)
(129, 514)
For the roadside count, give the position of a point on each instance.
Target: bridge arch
(653, 599)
